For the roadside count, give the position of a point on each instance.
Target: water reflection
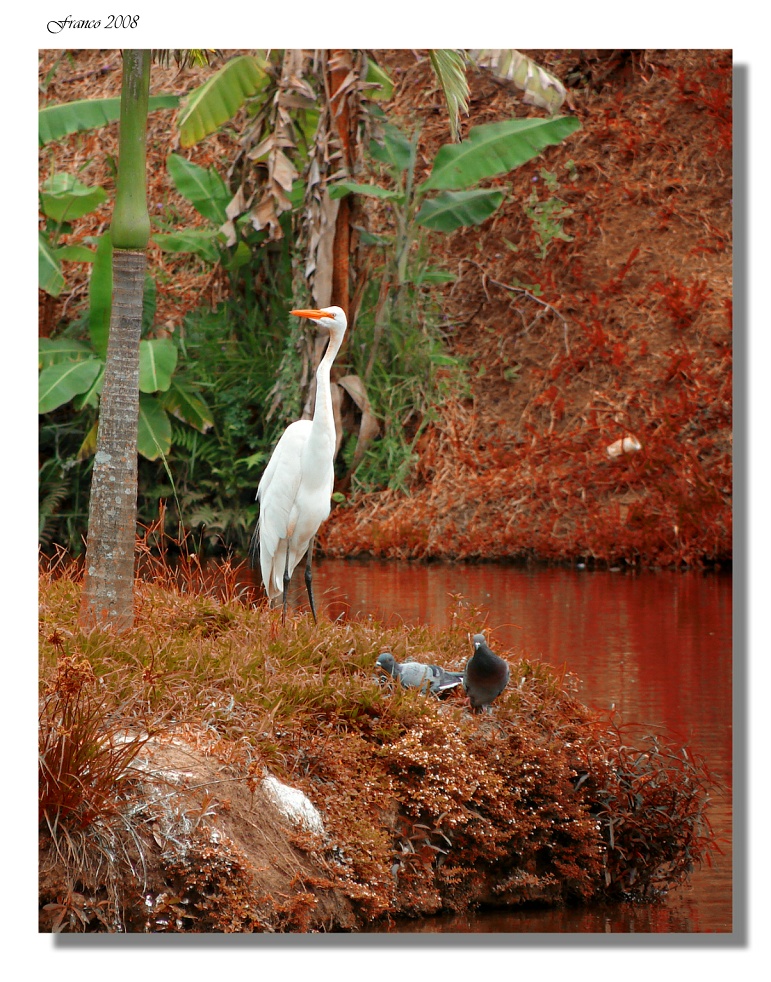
(616, 919)
(656, 645)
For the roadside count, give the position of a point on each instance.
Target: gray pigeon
(416, 675)
(485, 676)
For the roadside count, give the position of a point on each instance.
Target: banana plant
(449, 197)
(63, 198)
(207, 192)
(73, 371)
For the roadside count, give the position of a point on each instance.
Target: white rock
(293, 803)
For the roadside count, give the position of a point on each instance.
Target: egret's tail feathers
(254, 547)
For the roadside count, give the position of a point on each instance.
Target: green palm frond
(186, 57)
(449, 65)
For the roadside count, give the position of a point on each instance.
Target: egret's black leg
(309, 577)
(287, 578)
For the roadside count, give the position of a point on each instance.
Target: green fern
(49, 506)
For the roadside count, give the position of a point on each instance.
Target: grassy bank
(156, 815)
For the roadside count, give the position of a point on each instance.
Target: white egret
(295, 490)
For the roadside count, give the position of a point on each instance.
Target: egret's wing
(276, 493)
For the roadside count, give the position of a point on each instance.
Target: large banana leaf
(202, 187)
(199, 241)
(157, 361)
(49, 270)
(395, 150)
(52, 350)
(453, 209)
(75, 253)
(91, 396)
(494, 149)
(64, 198)
(186, 404)
(220, 97)
(56, 122)
(154, 429)
(342, 188)
(382, 85)
(64, 380)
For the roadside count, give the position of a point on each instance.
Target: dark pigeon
(485, 676)
(416, 675)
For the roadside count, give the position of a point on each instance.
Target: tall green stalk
(108, 590)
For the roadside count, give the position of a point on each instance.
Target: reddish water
(656, 645)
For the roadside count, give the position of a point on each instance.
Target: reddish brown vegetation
(631, 334)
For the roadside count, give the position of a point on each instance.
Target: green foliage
(50, 276)
(70, 382)
(157, 361)
(154, 430)
(406, 368)
(64, 198)
(64, 479)
(489, 151)
(232, 355)
(209, 420)
(453, 209)
(220, 97)
(73, 371)
(57, 122)
(548, 214)
(207, 192)
(382, 87)
(495, 149)
(204, 189)
(402, 357)
(63, 380)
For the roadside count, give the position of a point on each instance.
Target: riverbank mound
(217, 771)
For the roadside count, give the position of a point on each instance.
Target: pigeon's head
(387, 662)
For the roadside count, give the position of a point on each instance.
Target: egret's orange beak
(313, 314)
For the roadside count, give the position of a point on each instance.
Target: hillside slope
(631, 334)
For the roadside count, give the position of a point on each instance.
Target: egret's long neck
(323, 418)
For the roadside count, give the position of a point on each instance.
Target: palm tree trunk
(108, 589)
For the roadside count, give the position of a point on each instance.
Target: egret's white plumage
(296, 488)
